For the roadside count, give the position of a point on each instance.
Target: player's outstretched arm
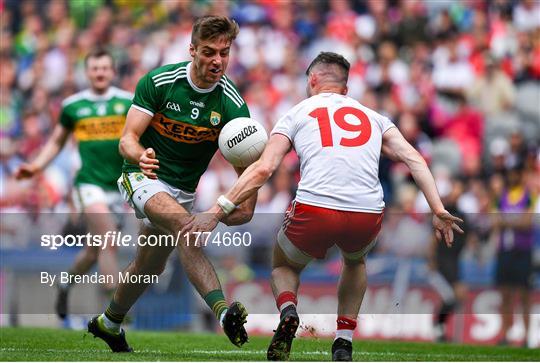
(260, 171)
(244, 211)
(53, 146)
(397, 148)
(130, 147)
(245, 187)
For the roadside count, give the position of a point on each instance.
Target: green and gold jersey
(97, 122)
(186, 121)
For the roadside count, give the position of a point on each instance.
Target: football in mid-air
(242, 141)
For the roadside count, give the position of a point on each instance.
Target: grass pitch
(37, 344)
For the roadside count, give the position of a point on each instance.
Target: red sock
(345, 328)
(344, 323)
(285, 299)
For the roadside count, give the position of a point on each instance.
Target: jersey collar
(103, 97)
(194, 86)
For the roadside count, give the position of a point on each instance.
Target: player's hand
(445, 224)
(25, 171)
(203, 222)
(148, 163)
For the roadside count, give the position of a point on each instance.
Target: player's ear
(192, 50)
(312, 80)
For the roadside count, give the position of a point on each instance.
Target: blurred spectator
(466, 128)
(412, 27)
(406, 234)
(11, 102)
(408, 124)
(389, 70)
(452, 74)
(498, 150)
(340, 21)
(493, 92)
(503, 34)
(527, 15)
(514, 259)
(479, 247)
(409, 127)
(517, 153)
(12, 194)
(445, 276)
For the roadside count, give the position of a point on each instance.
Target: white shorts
(84, 195)
(136, 189)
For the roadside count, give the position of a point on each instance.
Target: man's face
(100, 72)
(210, 58)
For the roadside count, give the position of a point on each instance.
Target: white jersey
(339, 142)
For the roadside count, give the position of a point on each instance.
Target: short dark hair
(211, 27)
(98, 53)
(331, 58)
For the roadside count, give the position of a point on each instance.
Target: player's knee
(284, 271)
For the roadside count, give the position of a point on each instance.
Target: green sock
(216, 301)
(115, 312)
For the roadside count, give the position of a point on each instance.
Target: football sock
(64, 285)
(445, 311)
(108, 325)
(345, 328)
(115, 313)
(285, 299)
(216, 301)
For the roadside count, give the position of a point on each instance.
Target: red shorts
(313, 230)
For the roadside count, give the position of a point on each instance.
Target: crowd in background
(461, 80)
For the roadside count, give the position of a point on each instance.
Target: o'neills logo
(247, 131)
